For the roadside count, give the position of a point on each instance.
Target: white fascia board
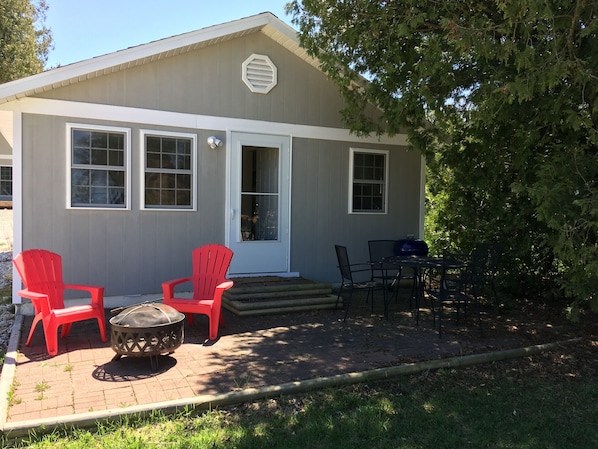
(56, 77)
(149, 117)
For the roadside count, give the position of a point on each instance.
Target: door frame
(234, 142)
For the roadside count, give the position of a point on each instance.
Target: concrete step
(273, 294)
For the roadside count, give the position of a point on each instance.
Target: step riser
(272, 295)
(276, 294)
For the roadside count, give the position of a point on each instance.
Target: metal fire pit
(147, 330)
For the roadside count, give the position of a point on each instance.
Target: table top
(423, 262)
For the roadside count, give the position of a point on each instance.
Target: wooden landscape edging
(200, 403)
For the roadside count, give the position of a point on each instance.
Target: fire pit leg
(154, 362)
(116, 357)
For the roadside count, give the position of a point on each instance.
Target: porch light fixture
(214, 142)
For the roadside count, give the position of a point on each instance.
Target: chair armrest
(225, 285)
(97, 293)
(168, 287)
(40, 301)
(220, 290)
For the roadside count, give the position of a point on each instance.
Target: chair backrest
(380, 249)
(210, 264)
(41, 272)
(343, 262)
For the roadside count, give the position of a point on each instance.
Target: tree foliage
(24, 40)
(501, 98)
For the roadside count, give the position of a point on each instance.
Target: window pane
(116, 178)
(168, 145)
(167, 181)
(81, 155)
(98, 178)
(116, 141)
(259, 217)
(152, 180)
(79, 195)
(260, 170)
(153, 160)
(183, 162)
(99, 195)
(81, 138)
(116, 195)
(168, 198)
(99, 140)
(116, 158)
(99, 157)
(183, 182)
(152, 196)
(184, 146)
(183, 197)
(169, 161)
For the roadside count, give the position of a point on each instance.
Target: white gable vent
(259, 73)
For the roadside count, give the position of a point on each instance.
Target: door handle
(232, 214)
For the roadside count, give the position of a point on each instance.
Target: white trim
(386, 154)
(17, 201)
(151, 117)
(194, 168)
(86, 126)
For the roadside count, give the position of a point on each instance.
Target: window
(5, 183)
(169, 181)
(98, 176)
(368, 181)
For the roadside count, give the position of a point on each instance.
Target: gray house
(230, 134)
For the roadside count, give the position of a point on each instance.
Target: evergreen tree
(501, 98)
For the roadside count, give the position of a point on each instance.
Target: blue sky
(83, 29)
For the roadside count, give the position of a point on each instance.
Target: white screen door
(259, 203)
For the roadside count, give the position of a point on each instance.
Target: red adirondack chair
(210, 264)
(41, 273)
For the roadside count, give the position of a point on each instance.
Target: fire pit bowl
(147, 330)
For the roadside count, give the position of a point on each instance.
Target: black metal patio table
(419, 264)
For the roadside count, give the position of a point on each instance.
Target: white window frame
(352, 180)
(69, 159)
(193, 137)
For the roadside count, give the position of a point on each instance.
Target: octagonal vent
(259, 74)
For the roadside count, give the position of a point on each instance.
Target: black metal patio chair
(483, 268)
(446, 285)
(354, 277)
(387, 273)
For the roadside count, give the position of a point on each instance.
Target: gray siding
(320, 215)
(208, 82)
(128, 252)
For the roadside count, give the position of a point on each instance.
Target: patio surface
(251, 352)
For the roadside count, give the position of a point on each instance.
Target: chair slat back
(210, 264)
(380, 249)
(41, 272)
(343, 262)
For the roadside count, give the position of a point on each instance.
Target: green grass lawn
(540, 402)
